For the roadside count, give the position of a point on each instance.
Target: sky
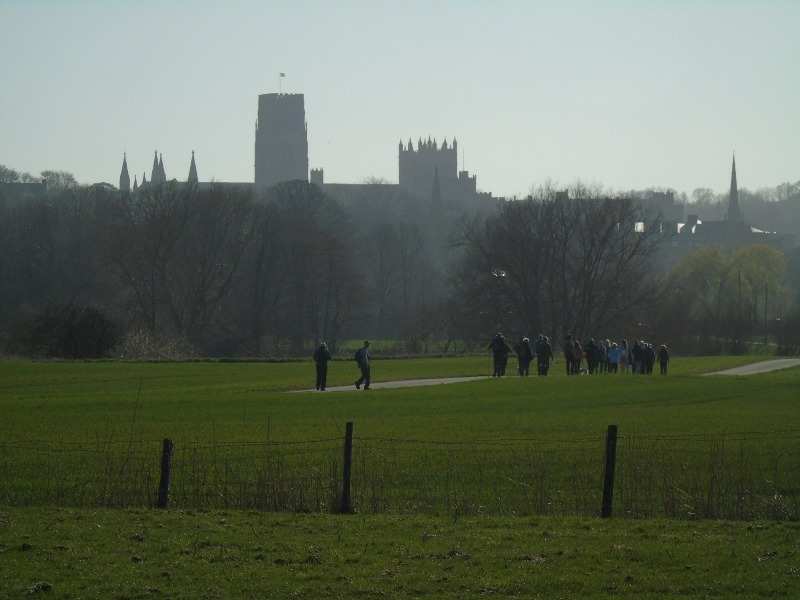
(619, 93)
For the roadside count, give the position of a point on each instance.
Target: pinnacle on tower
(155, 171)
(162, 175)
(124, 178)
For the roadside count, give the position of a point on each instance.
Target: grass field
(486, 488)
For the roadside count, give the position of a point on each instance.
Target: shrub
(64, 330)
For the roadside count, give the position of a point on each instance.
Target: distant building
(428, 172)
(14, 192)
(733, 231)
(281, 151)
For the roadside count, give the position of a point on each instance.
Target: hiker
(544, 353)
(524, 356)
(322, 356)
(500, 351)
(663, 358)
(613, 358)
(569, 354)
(591, 356)
(649, 359)
(576, 365)
(624, 356)
(362, 357)
(637, 354)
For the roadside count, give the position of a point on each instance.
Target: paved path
(751, 369)
(377, 385)
(760, 367)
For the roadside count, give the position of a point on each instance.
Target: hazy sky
(626, 94)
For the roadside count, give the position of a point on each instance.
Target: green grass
(487, 488)
(174, 554)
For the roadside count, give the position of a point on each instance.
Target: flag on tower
(283, 74)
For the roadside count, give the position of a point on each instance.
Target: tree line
(179, 270)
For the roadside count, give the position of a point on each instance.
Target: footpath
(760, 367)
(751, 369)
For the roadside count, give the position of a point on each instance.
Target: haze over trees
(212, 270)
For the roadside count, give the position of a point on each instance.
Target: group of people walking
(602, 356)
(526, 351)
(609, 357)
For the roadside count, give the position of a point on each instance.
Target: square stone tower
(281, 140)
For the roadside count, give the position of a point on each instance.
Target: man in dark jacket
(500, 352)
(524, 356)
(363, 364)
(322, 356)
(544, 353)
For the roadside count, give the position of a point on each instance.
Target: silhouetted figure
(500, 352)
(637, 354)
(322, 356)
(576, 364)
(624, 356)
(663, 358)
(591, 356)
(569, 354)
(544, 354)
(649, 359)
(524, 356)
(363, 364)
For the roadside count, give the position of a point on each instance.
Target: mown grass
(89, 434)
(71, 553)
(460, 490)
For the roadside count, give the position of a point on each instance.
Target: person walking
(613, 358)
(576, 365)
(500, 352)
(362, 356)
(649, 358)
(322, 356)
(524, 356)
(624, 356)
(637, 354)
(591, 356)
(569, 354)
(663, 358)
(544, 353)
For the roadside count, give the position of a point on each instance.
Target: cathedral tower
(281, 150)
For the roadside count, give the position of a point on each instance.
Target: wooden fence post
(166, 467)
(346, 468)
(608, 474)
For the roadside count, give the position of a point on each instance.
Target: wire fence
(745, 475)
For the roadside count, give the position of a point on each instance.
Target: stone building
(281, 149)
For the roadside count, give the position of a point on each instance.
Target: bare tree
(558, 265)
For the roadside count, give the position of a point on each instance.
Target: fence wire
(742, 475)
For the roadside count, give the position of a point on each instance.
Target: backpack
(357, 355)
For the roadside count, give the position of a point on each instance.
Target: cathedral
(429, 171)
(157, 175)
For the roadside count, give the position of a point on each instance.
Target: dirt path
(760, 367)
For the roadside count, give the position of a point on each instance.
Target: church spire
(155, 172)
(124, 177)
(734, 213)
(162, 175)
(192, 171)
